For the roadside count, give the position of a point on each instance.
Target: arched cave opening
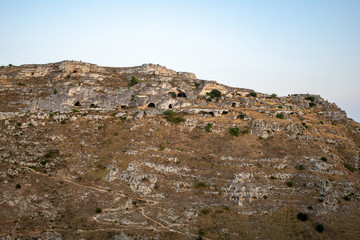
(170, 105)
(181, 94)
(151, 105)
(77, 104)
(233, 104)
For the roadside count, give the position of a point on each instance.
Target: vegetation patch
(208, 127)
(200, 185)
(280, 115)
(302, 216)
(253, 94)
(214, 93)
(133, 81)
(349, 167)
(173, 117)
(290, 183)
(234, 131)
(320, 228)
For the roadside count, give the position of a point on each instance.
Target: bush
(281, 107)
(18, 124)
(18, 186)
(280, 115)
(273, 177)
(253, 94)
(320, 228)
(214, 93)
(300, 167)
(349, 167)
(302, 216)
(170, 115)
(234, 131)
(312, 104)
(310, 98)
(197, 84)
(201, 232)
(274, 95)
(200, 185)
(74, 110)
(98, 210)
(133, 81)
(290, 183)
(55, 91)
(172, 94)
(208, 127)
(245, 131)
(63, 121)
(205, 211)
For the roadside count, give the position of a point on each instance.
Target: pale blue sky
(284, 46)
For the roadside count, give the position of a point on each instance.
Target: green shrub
(44, 162)
(300, 167)
(172, 94)
(162, 147)
(311, 104)
(273, 177)
(98, 210)
(171, 116)
(274, 95)
(281, 107)
(10, 65)
(200, 185)
(63, 121)
(310, 98)
(214, 93)
(17, 186)
(320, 228)
(205, 211)
(234, 131)
(290, 183)
(55, 91)
(253, 94)
(197, 84)
(18, 124)
(280, 115)
(302, 216)
(349, 167)
(208, 127)
(245, 131)
(75, 110)
(133, 81)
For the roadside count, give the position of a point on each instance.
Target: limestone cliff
(90, 152)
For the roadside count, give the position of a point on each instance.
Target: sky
(278, 46)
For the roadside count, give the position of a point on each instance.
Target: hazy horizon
(277, 47)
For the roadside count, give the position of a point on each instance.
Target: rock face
(90, 152)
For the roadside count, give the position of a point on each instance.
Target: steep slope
(91, 152)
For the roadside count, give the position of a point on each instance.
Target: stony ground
(85, 155)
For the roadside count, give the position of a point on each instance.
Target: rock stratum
(90, 152)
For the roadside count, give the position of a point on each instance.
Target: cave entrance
(151, 105)
(181, 94)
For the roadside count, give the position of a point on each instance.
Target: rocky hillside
(90, 152)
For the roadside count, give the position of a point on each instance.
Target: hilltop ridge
(91, 152)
